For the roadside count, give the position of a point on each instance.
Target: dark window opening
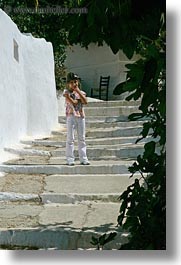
(16, 51)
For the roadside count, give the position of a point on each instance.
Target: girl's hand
(76, 88)
(66, 94)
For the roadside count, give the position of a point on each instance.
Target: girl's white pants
(78, 124)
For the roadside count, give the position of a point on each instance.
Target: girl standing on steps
(75, 99)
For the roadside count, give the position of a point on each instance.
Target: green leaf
(149, 72)
(94, 241)
(131, 221)
(136, 70)
(114, 46)
(149, 149)
(102, 239)
(135, 95)
(152, 51)
(146, 128)
(131, 85)
(139, 139)
(119, 89)
(120, 218)
(130, 97)
(129, 48)
(135, 116)
(110, 237)
(114, 37)
(136, 183)
(91, 16)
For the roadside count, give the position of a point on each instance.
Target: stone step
(26, 151)
(36, 160)
(31, 160)
(61, 160)
(106, 125)
(16, 184)
(59, 226)
(116, 132)
(66, 188)
(19, 197)
(55, 147)
(93, 151)
(113, 103)
(96, 152)
(47, 204)
(103, 119)
(98, 119)
(73, 198)
(55, 141)
(112, 132)
(103, 151)
(96, 167)
(76, 188)
(100, 153)
(110, 111)
(103, 124)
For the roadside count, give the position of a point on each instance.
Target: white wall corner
(28, 101)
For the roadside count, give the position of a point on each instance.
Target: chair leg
(107, 94)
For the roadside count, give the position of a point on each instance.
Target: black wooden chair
(102, 91)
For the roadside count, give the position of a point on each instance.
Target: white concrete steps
(105, 124)
(92, 124)
(30, 152)
(94, 151)
(73, 188)
(56, 142)
(113, 103)
(45, 203)
(116, 132)
(103, 151)
(29, 160)
(110, 167)
(109, 132)
(59, 226)
(102, 159)
(19, 197)
(99, 119)
(110, 111)
(60, 160)
(66, 188)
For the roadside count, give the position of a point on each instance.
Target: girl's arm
(83, 98)
(71, 100)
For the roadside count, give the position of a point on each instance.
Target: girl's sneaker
(85, 163)
(70, 163)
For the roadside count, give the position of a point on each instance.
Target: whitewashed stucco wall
(95, 61)
(40, 86)
(28, 103)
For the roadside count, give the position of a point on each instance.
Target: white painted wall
(40, 86)
(95, 61)
(28, 103)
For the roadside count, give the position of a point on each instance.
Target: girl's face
(73, 84)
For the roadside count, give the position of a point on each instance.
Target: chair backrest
(104, 82)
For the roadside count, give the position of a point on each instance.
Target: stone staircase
(46, 204)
